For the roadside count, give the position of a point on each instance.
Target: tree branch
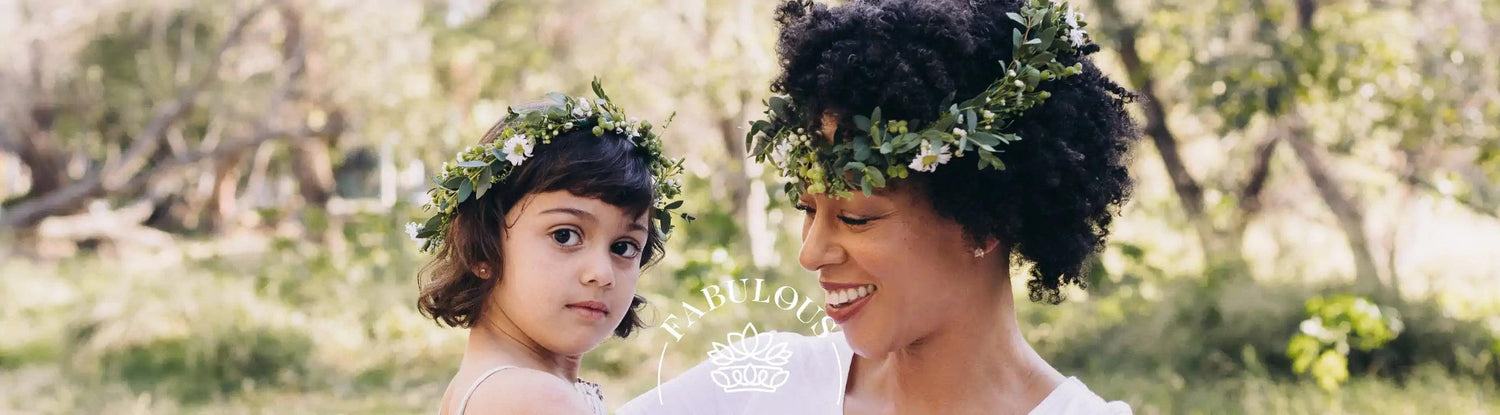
(113, 176)
(146, 143)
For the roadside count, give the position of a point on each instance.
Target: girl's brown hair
(608, 168)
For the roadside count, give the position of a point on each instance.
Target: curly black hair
(1063, 183)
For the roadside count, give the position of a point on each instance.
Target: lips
(590, 309)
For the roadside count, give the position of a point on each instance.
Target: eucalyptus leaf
(862, 122)
(874, 176)
(465, 188)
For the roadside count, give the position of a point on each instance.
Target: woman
(930, 144)
(540, 234)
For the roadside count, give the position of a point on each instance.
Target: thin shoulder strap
(470, 393)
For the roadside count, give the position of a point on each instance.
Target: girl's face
(569, 270)
(914, 268)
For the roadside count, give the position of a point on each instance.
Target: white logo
(750, 362)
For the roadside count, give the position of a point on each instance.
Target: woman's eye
(625, 249)
(567, 237)
(853, 221)
(805, 208)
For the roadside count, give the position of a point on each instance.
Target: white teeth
(845, 296)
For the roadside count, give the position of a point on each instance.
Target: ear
(484, 271)
(989, 245)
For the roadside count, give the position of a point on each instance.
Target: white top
(590, 391)
(813, 383)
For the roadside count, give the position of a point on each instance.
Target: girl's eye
(625, 249)
(805, 208)
(567, 237)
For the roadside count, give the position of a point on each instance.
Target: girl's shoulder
(518, 390)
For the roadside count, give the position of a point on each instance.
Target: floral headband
(480, 167)
(882, 149)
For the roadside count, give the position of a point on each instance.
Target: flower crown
(889, 148)
(480, 167)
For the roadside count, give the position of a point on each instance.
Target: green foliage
(1333, 325)
(480, 166)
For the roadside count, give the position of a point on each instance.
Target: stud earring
(979, 252)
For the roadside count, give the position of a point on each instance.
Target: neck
(497, 341)
(979, 360)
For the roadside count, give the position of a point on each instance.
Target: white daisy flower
(928, 159)
(517, 148)
(1075, 36)
(412, 228)
(1071, 17)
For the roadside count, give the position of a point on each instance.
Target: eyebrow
(583, 214)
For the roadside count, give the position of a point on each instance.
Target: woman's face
(570, 266)
(916, 269)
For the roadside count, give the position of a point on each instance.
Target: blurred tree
(1269, 66)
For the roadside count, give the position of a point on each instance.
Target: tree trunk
(1350, 218)
(223, 203)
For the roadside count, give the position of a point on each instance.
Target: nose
(818, 249)
(598, 271)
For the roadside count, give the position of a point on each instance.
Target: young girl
(540, 233)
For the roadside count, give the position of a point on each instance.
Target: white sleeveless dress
(816, 372)
(590, 391)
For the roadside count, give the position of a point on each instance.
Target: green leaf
(861, 148)
(486, 179)
(1016, 17)
(874, 176)
(465, 189)
(854, 165)
(558, 98)
(599, 89)
(972, 120)
(1048, 35)
(673, 205)
(1016, 39)
(1042, 58)
(778, 106)
(875, 117)
(862, 122)
(984, 138)
(1031, 76)
(472, 163)
(433, 223)
(945, 123)
(453, 182)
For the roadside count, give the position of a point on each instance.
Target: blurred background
(203, 200)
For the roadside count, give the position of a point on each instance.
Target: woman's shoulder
(1073, 397)
(517, 390)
